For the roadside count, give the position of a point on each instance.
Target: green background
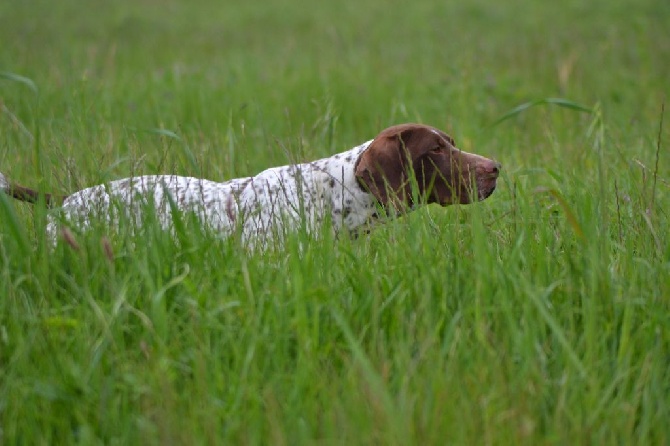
(540, 316)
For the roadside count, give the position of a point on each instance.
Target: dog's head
(412, 154)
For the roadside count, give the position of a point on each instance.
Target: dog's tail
(28, 195)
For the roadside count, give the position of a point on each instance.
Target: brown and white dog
(403, 167)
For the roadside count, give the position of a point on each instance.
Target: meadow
(539, 316)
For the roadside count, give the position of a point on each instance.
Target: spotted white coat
(261, 207)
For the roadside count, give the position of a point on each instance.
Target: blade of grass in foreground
(371, 376)
(16, 228)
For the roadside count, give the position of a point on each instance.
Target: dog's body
(403, 166)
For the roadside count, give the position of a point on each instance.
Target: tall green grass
(540, 316)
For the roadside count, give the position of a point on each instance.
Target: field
(540, 316)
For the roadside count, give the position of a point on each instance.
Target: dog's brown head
(408, 154)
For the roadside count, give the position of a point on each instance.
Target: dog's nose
(493, 167)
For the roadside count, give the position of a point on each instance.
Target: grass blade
(565, 103)
(20, 79)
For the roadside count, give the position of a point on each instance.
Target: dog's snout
(491, 168)
(496, 167)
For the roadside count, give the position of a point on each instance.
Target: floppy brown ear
(383, 168)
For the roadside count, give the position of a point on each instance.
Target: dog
(403, 167)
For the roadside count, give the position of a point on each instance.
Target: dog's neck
(352, 207)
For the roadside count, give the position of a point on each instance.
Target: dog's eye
(437, 149)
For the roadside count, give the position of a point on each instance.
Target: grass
(540, 316)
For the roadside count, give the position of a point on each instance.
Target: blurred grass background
(537, 317)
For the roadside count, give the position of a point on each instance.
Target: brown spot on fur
(230, 212)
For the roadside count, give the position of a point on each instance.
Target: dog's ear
(384, 167)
